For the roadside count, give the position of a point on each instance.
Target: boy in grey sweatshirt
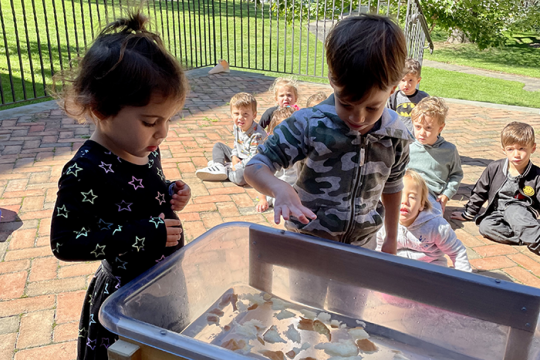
(229, 163)
(434, 158)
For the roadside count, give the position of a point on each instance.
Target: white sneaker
(216, 172)
(210, 163)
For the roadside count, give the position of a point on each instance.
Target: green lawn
(520, 56)
(250, 38)
(455, 85)
(246, 36)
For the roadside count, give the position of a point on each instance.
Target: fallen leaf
(233, 345)
(273, 355)
(319, 327)
(366, 345)
(305, 324)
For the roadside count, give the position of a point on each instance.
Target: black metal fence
(42, 37)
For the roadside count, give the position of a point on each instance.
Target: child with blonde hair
(436, 159)
(285, 93)
(288, 175)
(423, 234)
(316, 98)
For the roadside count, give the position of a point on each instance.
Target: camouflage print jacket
(344, 172)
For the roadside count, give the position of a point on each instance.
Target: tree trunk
(457, 37)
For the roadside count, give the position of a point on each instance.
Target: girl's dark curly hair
(125, 66)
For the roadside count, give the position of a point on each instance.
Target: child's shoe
(215, 172)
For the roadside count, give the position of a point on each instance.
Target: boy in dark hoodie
(512, 187)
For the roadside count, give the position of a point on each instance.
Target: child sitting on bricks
(354, 150)
(423, 234)
(511, 187)
(229, 163)
(285, 93)
(436, 159)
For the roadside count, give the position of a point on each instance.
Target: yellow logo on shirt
(529, 191)
(405, 109)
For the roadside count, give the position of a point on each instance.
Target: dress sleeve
(79, 234)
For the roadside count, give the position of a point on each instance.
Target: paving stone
(55, 286)
(69, 306)
(12, 285)
(7, 346)
(35, 329)
(62, 351)
(9, 324)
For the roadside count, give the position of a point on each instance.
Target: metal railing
(42, 37)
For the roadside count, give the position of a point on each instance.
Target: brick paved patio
(40, 297)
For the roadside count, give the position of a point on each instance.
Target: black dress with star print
(108, 209)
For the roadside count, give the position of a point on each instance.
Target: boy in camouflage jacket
(355, 150)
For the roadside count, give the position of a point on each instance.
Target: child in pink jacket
(423, 234)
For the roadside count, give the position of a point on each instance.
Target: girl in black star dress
(114, 203)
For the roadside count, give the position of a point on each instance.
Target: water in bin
(215, 292)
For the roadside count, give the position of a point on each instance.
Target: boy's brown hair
(278, 116)
(365, 52)
(424, 192)
(244, 100)
(413, 67)
(284, 81)
(316, 99)
(517, 133)
(432, 106)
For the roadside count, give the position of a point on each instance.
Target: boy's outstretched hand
(288, 204)
(181, 195)
(457, 216)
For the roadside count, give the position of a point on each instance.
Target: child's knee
(237, 177)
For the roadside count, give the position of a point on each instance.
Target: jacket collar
(527, 169)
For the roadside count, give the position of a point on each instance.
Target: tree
(484, 22)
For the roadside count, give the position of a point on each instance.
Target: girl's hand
(181, 196)
(262, 206)
(287, 204)
(457, 216)
(174, 230)
(443, 199)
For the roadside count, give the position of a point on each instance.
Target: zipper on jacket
(357, 184)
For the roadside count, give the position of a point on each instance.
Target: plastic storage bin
(440, 313)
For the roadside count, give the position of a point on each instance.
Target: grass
(187, 30)
(520, 56)
(444, 83)
(63, 29)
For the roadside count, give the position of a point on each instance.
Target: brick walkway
(40, 297)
